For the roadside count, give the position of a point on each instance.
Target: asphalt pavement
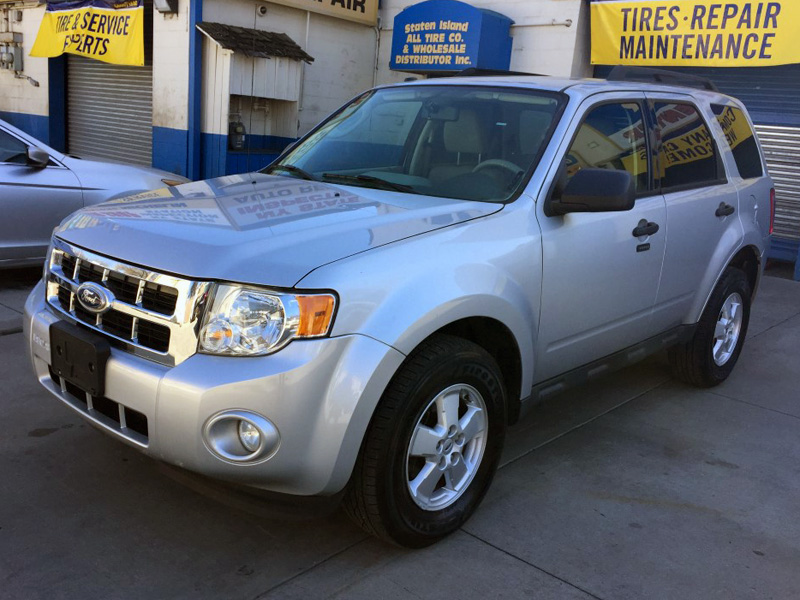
(633, 487)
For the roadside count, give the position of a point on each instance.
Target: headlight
(244, 321)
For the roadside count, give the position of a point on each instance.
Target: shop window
(741, 140)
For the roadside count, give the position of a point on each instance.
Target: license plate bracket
(79, 356)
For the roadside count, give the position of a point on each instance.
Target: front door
(600, 281)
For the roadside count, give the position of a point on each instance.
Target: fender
(400, 295)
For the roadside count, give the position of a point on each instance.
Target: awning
(255, 43)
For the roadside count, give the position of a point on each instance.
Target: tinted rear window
(741, 140)
(688, 156)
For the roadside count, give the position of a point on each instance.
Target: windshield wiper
(292, 169)
(399, 187)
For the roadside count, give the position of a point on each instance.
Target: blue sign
(450, 36)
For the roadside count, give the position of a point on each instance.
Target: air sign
(737, 33)
(359, 11)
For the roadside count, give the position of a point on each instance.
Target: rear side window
(741, 140)
(688, 156)
(612, 136)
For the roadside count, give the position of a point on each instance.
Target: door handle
(644, 228)
(724, 210)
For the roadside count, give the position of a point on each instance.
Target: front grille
(126, 421)
(154, 336)
(151, 314)
(158, 298)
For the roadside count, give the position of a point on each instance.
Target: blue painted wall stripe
(36, 125)
(170, 149)
(195, 89)
(219, 160)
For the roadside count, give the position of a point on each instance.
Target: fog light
(249, 435)
(241, 437)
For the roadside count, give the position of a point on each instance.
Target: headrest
(466, 135)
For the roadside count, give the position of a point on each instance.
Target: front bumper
(319, 394)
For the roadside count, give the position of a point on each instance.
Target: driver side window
(12, 150)
(612, 136)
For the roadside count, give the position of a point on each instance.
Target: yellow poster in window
(105, 30)
(695, 33)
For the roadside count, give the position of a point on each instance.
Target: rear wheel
(432, 446)
(709, 357)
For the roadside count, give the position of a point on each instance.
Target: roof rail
(476, 72)
(645, 75)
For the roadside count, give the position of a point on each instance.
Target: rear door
(33, 201)
(702, 225)
(599, 279)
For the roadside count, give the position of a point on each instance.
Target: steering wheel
(498, 163)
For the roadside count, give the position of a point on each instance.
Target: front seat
(464, 137)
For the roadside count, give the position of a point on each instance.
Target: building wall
(344, 66)
(21, 103)
(349, 58)
(344, 52)
(171, 89)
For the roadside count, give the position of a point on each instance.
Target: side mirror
(595, 190)
(37, 158)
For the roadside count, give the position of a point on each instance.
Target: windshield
(473, 143)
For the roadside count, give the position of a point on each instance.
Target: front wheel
(709, 357)
(432, 446)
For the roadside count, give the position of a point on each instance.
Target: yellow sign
(360, 11)
(693, 33)
(106, 30)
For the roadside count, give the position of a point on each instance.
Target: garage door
(110, 107)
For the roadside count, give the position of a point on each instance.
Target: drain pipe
(195, 115)
(377, 52)
(301, 102)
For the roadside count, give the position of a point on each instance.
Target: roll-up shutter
(771, 94)
(110, 107)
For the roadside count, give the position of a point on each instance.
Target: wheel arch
(748, 260)
(497, 339)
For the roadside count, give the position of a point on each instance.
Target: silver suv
(368, 314)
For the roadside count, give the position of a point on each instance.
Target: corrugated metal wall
(782, 149)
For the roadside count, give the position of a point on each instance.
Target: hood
(255, 228)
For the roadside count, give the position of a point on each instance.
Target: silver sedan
(40, 186)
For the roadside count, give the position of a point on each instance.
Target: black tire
(693, 362)
(378, 498)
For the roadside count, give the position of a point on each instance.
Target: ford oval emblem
(94, 298)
